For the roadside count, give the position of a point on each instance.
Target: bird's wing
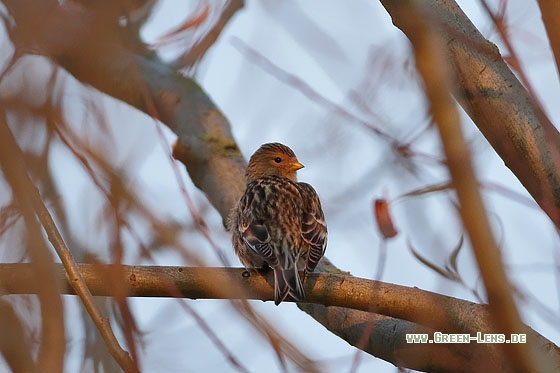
(255, 235)
(313, 226)
(256, 238)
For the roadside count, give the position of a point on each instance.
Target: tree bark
(512, 121)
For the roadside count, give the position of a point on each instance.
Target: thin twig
(74, 276)
(53, 340)
(199, 49)
(549, 11)
(501, 26)
(304, 88)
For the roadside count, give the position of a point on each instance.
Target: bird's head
(273, 159)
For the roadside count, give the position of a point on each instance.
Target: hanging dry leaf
(383, 218)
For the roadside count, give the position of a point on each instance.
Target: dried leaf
(383, 218)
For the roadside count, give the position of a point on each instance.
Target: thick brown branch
(417, 22)
(424, 309)
(510, 119)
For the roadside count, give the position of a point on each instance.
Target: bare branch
(387, 340)
(549, 11)
(74, 276)
(347, 299)
(414, 20)
(12, 341)
(52, 348)
(506, 114)
(199, 49)
(72, 39)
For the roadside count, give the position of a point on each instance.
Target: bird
(278, 223)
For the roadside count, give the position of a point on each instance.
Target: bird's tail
(287, 284)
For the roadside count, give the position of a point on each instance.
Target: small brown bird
(278, 222)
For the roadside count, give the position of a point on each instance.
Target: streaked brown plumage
(278, 222)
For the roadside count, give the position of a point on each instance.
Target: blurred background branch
(52, 346)
(549, 10)
(509, 117)
(416, 21)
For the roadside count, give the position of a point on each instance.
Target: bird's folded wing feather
(314, 227)
(255, 236)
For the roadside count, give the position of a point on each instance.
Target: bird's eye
(277, 159)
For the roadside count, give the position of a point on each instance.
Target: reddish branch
(52, 344)
(199, 49)
(12, 162)
(550, 9)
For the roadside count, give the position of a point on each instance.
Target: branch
(386, 339)
(407, 303)
(28, 191)
(72, 38)
(421, 309)
(199, 49)
(549, 11)
(13, 345)
(416, 21)
(511, 120)
(52, 344)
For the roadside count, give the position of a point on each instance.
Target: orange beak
(296, 166)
